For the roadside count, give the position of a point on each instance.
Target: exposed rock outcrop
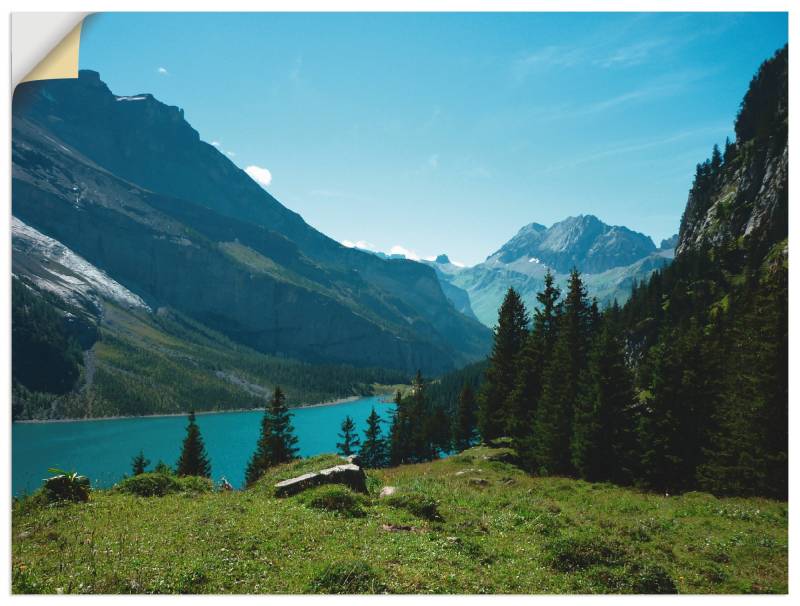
(348, 474)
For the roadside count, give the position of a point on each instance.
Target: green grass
(496, 530)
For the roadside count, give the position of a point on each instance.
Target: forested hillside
(683, 388)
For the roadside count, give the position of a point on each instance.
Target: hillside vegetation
(165, 363)
(472, 523)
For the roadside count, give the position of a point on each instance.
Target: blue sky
(448, 132)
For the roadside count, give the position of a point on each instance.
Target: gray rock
(348, 474)
(387, 491)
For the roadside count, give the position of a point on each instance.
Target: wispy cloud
(163, 71)
(662, 87)
(623, 148)
(611, 46)
(260, 175)
(398, 249)
(362, 244)
(433, 161)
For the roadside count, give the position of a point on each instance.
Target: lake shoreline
(204, 412)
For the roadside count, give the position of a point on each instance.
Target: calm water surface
(102, 450)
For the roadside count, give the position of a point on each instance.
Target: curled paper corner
(45, 46)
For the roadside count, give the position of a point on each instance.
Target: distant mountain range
(610, 257)
(125, 184)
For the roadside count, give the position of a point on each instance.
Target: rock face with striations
(584, 242)
(128, 185)
(747, 196)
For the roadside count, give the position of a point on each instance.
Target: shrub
(347, 577)
(336, 499)
(66, 487)
(415, 503)
(581, 551)
(650, 578)
(160, 484)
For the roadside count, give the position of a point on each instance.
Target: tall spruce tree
(509, 337)
(139, 463)
(373, 449)
(277, 442)
(422, 442)
(747, 452)
(562, 377)
(464, 427)
(193, 460)
(400, 446)
(675, 424)
(536, 350)
(350, 440)
(603, 440)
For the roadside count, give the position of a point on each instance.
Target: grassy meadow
(472, 523)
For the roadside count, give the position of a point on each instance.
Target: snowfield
(81, 281)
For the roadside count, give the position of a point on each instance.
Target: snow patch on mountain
(69, 275)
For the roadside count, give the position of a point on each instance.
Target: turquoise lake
(102, 449)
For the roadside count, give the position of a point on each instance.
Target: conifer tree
(509, 337)
(603, 434)
(675, 425)
(349, 436)
(422, 446)
(536, 350)
(139, 463)
(373, 449)
(562, 377)
(464, 428)
(400, 432)
(193, 460)
(277, 442)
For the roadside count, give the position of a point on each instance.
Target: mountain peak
(582, 241)
(442, 259)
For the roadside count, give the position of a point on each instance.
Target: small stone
(479, 481)
(399, 528)
(387, 491)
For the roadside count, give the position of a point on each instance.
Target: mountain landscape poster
(402, 303)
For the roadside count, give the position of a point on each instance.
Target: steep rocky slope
(744, 193)
(127, 184)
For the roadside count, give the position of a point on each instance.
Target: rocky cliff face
(126, 184)
(743, 194)
(584, 242)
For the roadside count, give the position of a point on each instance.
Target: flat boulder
(348, 474)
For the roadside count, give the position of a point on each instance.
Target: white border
(383, 5)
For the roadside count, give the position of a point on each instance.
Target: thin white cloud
(362, 244)
(216, 143)
(162, 70)
(260, 175)
(230, 154)
(397, 249)
(433, 161)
